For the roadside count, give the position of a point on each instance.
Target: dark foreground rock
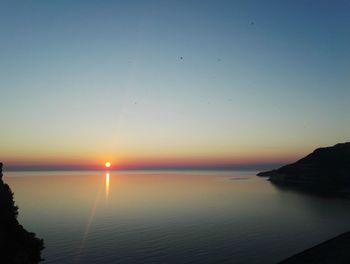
(17, 245)
(333, 251)
(325, 169)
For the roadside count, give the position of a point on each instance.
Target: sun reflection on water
(107, 185)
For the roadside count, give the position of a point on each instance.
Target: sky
(155, 84)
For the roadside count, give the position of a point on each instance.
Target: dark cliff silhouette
(17, 245)
(333, 251)
(326, 169)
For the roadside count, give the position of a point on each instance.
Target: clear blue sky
(172, 81)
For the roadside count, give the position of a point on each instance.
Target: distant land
(325, 169)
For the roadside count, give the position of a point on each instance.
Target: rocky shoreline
(17, 245)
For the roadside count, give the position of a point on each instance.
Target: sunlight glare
(107, 185)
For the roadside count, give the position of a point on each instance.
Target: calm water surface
(171, 217)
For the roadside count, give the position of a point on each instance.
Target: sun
(107, 164)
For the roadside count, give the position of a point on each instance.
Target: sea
(175, 217)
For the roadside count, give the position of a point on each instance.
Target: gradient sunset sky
(171, 83)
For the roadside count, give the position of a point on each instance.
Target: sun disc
(107, 164)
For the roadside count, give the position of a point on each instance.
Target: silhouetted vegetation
(17, 245)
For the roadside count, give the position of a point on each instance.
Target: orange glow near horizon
(140, 162)
(153, 158)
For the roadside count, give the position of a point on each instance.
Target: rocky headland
(325, 169)
(17, 245)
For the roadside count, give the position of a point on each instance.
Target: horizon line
(260, 166)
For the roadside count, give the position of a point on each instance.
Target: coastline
(332, 251)
(17, 245)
